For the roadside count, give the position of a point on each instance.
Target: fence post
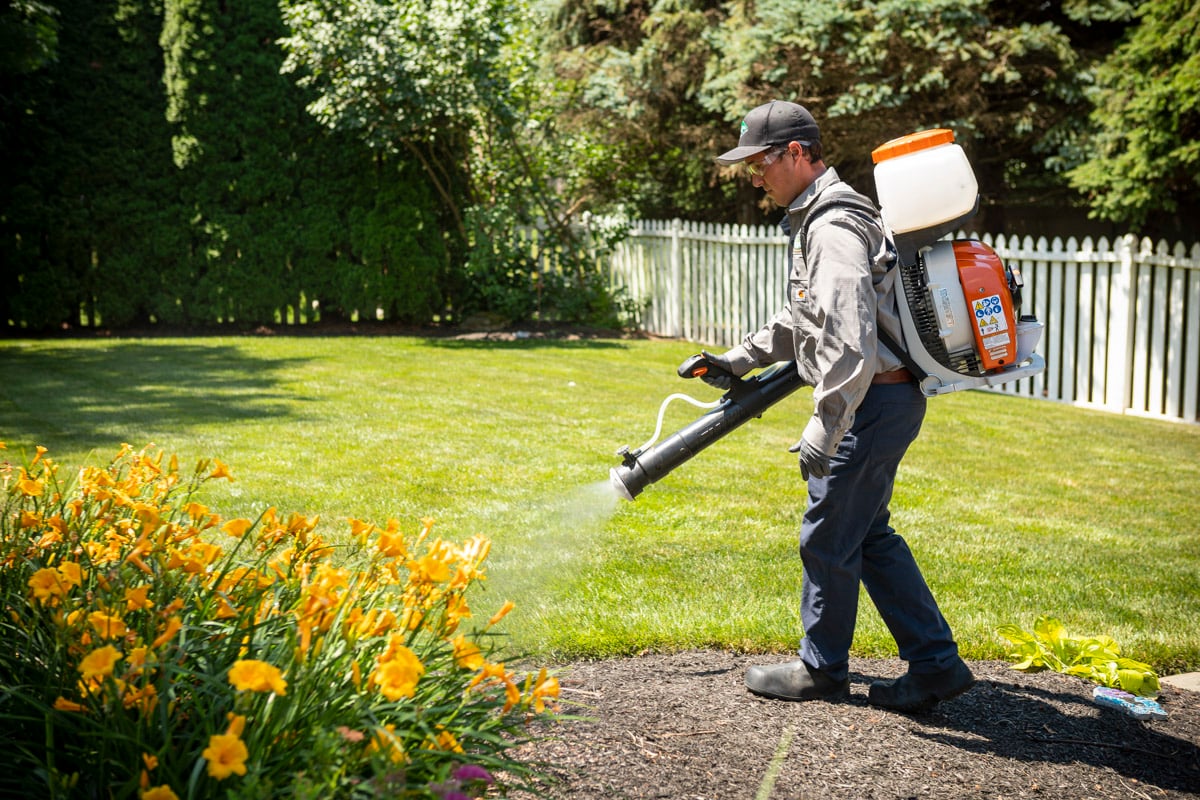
(1119, 388)
(676, 290)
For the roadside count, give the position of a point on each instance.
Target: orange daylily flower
(257, 676)
(100, 662)
(398, 671)
(508, 606)
(220, 471)
(136, 599)
(237, 527)
(107, 625)
(467, 654)
(172, 628)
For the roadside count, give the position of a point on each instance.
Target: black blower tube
(746, 400)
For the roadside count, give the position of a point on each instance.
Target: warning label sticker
(989, 315)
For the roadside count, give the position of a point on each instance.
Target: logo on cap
(745, 128)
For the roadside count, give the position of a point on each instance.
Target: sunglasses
(757, 168)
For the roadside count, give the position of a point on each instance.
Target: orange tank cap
(921, 140)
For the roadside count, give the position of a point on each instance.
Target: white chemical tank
(923, 180)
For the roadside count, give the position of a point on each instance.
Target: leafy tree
(454, 86)
(28, 36)
(681, 75)
(634, 72)
(1144, 156)
(419, 78)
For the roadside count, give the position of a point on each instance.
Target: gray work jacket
(836, 297)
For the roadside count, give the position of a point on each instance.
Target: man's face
(782, 173)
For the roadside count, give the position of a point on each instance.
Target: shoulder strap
(905, 357)
(854, 201)
(849, 200)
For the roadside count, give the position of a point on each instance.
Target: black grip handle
(698, 366)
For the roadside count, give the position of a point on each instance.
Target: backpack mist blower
(959, 308)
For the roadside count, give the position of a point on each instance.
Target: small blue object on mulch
(1134, 706)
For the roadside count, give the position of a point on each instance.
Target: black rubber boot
(919, 693)
(795, 680)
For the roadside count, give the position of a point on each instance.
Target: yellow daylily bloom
(257, 676)
(398, 671)
(426, 527)
(107, 625)
(429, 568)
(30, 487)
(467, 654)
(196, 559)
(456, 610)
(226, 755)
(195, 510)
(100, 662)
(163, 792)
(508, 606)
(138, 657)
(225, 609)
(492, 674)
(360, 530)
(148, 513)
(144, 699)
(545, 687)
(392, 544)
(63, 704)
(172, 628)
(237, 527)
(47, 584)
(220, 471)
(384, 741)
(71, 573)
(136, 599)
(446, 741)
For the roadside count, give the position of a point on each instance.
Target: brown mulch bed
(683, 726)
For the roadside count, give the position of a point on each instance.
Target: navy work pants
(845, 538)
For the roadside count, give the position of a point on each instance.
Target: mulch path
(683, 726)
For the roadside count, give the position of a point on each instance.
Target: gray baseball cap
(771, 125)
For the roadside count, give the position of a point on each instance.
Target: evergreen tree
(1143, 158)
(90, 211)
(668, 83)
(283, 211)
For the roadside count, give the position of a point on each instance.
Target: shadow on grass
(508, 342)
(85, 397)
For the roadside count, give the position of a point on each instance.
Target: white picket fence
(1122, 318)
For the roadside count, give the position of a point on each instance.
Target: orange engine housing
(989, 301)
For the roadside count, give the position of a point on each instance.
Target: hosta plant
(1095, 658)
(153, 649)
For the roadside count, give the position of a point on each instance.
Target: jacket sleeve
(770, 343)
(843, 305)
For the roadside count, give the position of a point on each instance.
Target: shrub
(1094, 658)
(155, 650)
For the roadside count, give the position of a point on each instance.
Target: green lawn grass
(1015, 508)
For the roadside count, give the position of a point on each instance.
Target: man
(867, 410)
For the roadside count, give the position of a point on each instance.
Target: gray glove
(813, 462)
(721, 376)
